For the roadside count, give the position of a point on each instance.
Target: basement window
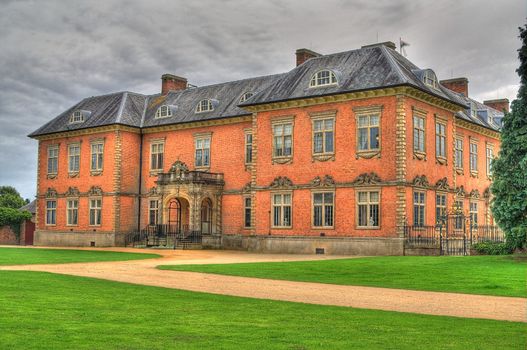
(323, 78)
(204, 106)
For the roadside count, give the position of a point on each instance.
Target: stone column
(400, 163)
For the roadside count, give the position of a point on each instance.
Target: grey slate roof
(30, 207)
(485, 116)
(363, 69)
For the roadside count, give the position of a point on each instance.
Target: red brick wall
(7, 236)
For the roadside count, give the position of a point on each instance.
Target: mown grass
(487, 275)
(22, 256)
(48, 311)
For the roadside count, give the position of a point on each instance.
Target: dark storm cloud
(55, 53)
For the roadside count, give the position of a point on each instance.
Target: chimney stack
(303, 55)
(170, 82)
(457, 84)
(501, 104)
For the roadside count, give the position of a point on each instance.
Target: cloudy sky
(55, 53)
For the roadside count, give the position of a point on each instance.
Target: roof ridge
(142, 123)
(393, 62)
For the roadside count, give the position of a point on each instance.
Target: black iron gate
(454, 238)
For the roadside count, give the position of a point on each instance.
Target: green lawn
(488, 275)
(21, 256)
(48, 311)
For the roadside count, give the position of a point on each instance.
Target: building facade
(339, 153)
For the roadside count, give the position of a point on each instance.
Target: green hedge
(492, 248)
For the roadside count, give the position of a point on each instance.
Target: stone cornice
(88, 131)
(199, 124)
(389, 91)
(476, 128)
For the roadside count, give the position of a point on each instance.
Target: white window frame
(473, 212)
(326, 132)
(153, 209)
(51, 211)
(202, 142)
(74, 158)
(76, 117)
(53, 159)
(473, 159)
(248, 136)
(204, 105)
(430, 79)
(97, 150)
(419, 220)
(95, 207)
(441, 132)
(324, 207)
(72, 212)
(163, 111)
(282, 123)
(157, 155)
(369, 204)
(441, 207)
(419, 145)
(459, 142)
(281, 221)
(490, 158)
(324, 77)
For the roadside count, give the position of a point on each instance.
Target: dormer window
(323, 78)
(164, 111)
(204, 106)
(246, 96)
(430, 79)
(76, 117)
(473, 110)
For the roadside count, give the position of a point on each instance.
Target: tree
(10, 198)
(509, 186)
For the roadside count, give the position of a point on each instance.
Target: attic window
(163, 112)
(430, 79)
(204, 106)
(323, 78)
(76, 117)
(473, 110)
(245, 96)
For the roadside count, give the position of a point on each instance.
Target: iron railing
(486, 233)
(164, 235)
(424, 236)
(191, 177)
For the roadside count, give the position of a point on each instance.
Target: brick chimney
(170, 82)
(501, 104)
(303, 55)
(457, 84)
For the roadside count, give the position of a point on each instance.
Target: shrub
(492, 248)
(13, 218)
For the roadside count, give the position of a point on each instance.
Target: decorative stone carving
(474, 193)
(281, 181)
(442, 184)
(486, 193)
(72, 192)
(327, 181)
(178, 168)
(460, 191)
(367, 179)
(51, 193)
(153, 191)
(421, 181)
(247, 187)
(95, 191)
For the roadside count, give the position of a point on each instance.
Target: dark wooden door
(30, 231)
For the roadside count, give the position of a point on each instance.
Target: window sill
(419, 155)
(460, 171)
(281, 227)
(52, 176)
(322, 228)
(282, 160)
(474, 173)
(368, 154)
(367, 227)
(155, 172)
(202, 168)
(50, 225)
(441, 160)
(323, 157)
(95, 172)
(73, 174)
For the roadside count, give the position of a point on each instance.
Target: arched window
(323, 78)
(76, 117)
(204, 106)
(430, 79)
(163, 112)
(245, 96)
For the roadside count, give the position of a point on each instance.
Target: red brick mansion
(337, 154)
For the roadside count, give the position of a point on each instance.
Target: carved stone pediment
(281, 182)
(486, 193)
(460, 191)
(247, 187)
(420, 181)
(51, 193)
(474, 193)
(95, 191)
(327, 181)
(442, 184)
(178, 168)
(153, 191)
(367, 179)
(72, 192)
